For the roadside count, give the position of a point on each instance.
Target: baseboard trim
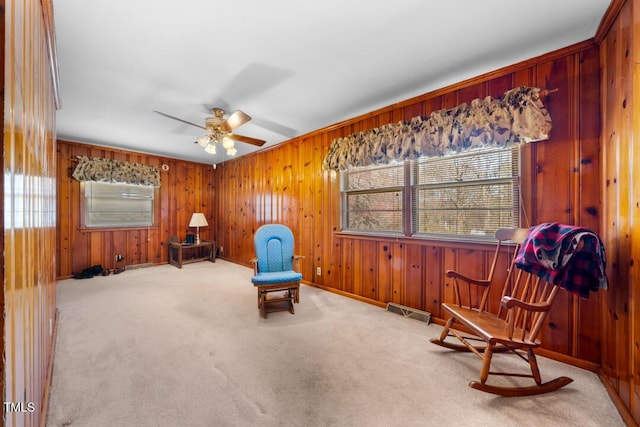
(569, 360)
(625, 413)
(47, 385)
(346, 294)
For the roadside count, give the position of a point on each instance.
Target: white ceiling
(294, 66)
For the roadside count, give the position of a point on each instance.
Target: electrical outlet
(221, 249)
(118, 258)
(318, 271)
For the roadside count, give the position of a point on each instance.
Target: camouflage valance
(517, 117)
(108, 170)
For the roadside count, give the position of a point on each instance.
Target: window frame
(85, 227)
(411, 187)
(345, 193)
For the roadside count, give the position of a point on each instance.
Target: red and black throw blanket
(550, 251)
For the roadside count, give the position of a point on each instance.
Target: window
(109, 205)
(374, 199)
(466, 196)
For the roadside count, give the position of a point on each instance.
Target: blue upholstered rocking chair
(276, 268)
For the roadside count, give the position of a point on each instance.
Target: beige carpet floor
(163, 346)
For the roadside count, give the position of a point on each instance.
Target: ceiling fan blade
(180, 120)
(247, 139)
(236, 119)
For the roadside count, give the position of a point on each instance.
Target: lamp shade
(198, 220)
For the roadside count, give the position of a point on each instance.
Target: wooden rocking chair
(515, 325)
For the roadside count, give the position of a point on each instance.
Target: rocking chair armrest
(510, 302)
(480, 282)
(254, 261)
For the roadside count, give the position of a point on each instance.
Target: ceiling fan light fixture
(219, 130)
(210, 148)
(227, 143)
(203, 141)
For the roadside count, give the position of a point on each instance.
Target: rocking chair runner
(515, 326)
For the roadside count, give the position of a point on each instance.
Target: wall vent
(136, 266)
(413, 313)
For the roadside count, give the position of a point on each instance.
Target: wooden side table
(184, 253)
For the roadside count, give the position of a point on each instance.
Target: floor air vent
(414, 313)
(136, 266)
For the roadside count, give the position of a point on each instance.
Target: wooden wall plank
(553, 164)
(414, 277)
(397, 272)
(347, 266)
(369, 270)
(469, 93)
(589, 331)
(620, 95)
(356, 267)
(29, 243)
(384, 274)
(433, 279)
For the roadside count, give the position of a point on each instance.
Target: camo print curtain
(107, 170)
(517, 117)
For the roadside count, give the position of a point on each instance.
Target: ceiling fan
(219, 131)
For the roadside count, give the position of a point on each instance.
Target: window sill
(415, 239)
(104, 229)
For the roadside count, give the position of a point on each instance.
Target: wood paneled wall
(620, 56)
(29, 211)
(560, 183)
(186, 188)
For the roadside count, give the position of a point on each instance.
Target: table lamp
(198, 220)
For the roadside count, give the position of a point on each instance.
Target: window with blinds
(467, 196)
(110, 205)
(472, 194)
(373, 199)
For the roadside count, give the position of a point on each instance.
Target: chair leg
(447, 326)
(296, 293)
(486, 363)
(444, 334)
(291, 296)
(533, 363)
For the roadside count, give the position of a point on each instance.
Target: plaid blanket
(549, 251)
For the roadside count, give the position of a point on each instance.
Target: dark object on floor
(118, 270)
(89, 272)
